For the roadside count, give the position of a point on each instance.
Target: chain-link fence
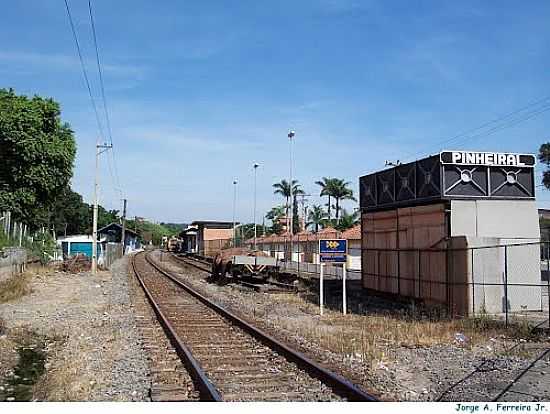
(502, 280)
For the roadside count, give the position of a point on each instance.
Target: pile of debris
(77, 263)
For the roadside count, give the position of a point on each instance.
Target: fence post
(447, 287)
(506, 284)
(473, 282)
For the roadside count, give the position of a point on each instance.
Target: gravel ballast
(93, 348)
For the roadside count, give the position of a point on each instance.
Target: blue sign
(333, 250)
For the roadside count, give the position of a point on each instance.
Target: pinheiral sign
(487, 158)
(448, 175)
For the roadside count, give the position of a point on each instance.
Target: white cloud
(41, 61)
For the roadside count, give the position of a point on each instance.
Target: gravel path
(94, 353)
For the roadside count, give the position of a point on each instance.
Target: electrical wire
(507, 120)
(84, 72)
(114, 177)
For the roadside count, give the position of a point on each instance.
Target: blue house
(112, 233)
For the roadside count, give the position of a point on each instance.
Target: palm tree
(275, 215)
(316, 217)
(347, 221)
(326, 185)
(283, 188)
(340, 191)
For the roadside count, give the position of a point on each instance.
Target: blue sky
(200, 90)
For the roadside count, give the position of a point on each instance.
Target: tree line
(37, 154)
(335, 189)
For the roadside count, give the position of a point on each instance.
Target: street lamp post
(291, 135)
(234, 207)
(256, 165)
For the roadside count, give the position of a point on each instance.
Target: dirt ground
(86, 323)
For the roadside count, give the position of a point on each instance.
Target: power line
(508, 120)
(115, 178)
(84, 72)
(100, 74)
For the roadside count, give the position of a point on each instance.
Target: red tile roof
(352, 234)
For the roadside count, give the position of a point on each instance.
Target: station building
(207, 237)
(459, 228)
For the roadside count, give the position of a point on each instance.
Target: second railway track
(228, 359)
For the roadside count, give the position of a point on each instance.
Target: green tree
(316, 217)
(340, 191)
(37, 155)
(347, 221)
(70, 214)
(283, 188)
(104, 217)
(544, 158)
(275, 215)
(326, 185)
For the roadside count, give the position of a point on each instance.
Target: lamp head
(291, 134)
(256, 165)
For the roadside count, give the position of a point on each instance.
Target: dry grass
(373, 337)
(15, 287)
(2, 326)
(65, 379)
(71, 375)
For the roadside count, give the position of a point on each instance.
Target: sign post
(344, 307)
(333, 251)
(321, 290)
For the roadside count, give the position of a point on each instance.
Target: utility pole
(234, 207)
(123, 237)
(304, 207)
(291, 207)
(256, 165)
(100, 148)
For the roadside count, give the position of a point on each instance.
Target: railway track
(229, 359)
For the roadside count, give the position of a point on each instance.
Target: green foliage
(70, 214)
(337, 189)
(174, 228)
(43, 246)
(544, 158)
(104, 217)
(158, 231)
(283, 188)
(295, 216)
(38, 152)
(316, 217)
(275, 215)
(245, 232)
(347, 221)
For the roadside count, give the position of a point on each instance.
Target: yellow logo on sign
(333, 244)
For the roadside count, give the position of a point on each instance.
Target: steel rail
(205, 387)
(339, 384)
